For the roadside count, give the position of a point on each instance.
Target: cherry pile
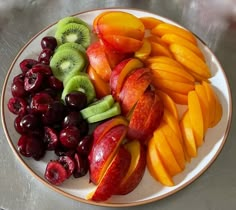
(45, 122)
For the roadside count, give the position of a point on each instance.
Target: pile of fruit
(109, 107)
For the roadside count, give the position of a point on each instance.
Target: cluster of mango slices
(181, 76)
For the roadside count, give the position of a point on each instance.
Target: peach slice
(156, 166)
(215, 111)
(112, 23)
(172, 69)
(122, 44)
(175, 143)
(144, 51)
(158, 49)
(130, 94)
(196, 117)
(164, 28)
(190, 60)
(113, 176)
(202, 95)
(180, 87)
(173, 38)
(156, 39)
(98, 60)
(136, 170)
(188, 136)
(178, 98)
(120, 72)
(150, 22)
(103, 151)
(102, 88)
(168, 103)
(166, 154)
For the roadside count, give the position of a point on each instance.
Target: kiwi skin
(70, 19)
(66, 63)
(73, 32)
(80, 82)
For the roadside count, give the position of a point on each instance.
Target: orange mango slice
(150, 22)
(158, 49)
(188, 137)
(168, 103)
(196, 117)
(178, 98)
(166, 154)
(173, 38)
(156, 166)
(190, 60)
(166, 28)
(144, 51)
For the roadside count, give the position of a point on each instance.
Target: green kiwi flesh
(70, 19)
(66, 63)
(73, 32)
(80, 82)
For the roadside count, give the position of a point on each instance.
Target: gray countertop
(213, 21)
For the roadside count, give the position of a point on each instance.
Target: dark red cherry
(55, 83)
(81, 166)
(42, 68)
(33, 81)
(41, 102)
(69, 137)
(84, 145)
(17, 88)
(55, 173)
(27, 64)
(49, 42)
(50, 138)
(76, 100)
(17, 106)
(72, 119)
(68, 163)
(45, 56)
(30, 123)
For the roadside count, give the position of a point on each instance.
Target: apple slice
(103, 151)
(114, 174)
(98, 60)
(136, 170)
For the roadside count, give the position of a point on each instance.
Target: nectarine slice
(136, 169)
(164, 28)
(190, 60)
(120, 23)
(168, 103)
(113, 176)
(173, 38)
(196, 117)
(102, 88)
(145, 50)
(156, 166)
(103, 151)
(150, 22)
(166, 154)
(188, 136)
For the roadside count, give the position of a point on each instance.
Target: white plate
(148, 190)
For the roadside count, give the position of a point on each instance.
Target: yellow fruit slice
(144, 51)
(178, 98)
(156, 167)
(190, 60)
(174, 143)
(150, 22)
(158, 49)
(169, 104)
(188, 137)
(176, 39)
(196, 117)
(164, 60)
(166, 154)
(166, 28)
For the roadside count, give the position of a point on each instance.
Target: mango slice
(150, 22)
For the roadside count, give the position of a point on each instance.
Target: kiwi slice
(113, 111)
(67, 63)
(73, 32)
(80, 82)
(98, 107)
(70, 19)
(72, 45)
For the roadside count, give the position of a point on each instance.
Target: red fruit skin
(146, 117)
(130, 94)
(104, 150)
(113, 176)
